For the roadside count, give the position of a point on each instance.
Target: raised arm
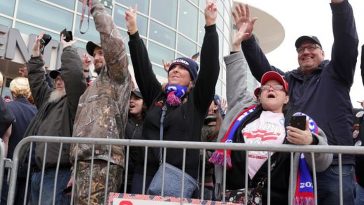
(72, 75)
(344, 50)
(236, 73)
(204, 89)
(112, 44)
(257, 61)
(144, 75)
(36, 75)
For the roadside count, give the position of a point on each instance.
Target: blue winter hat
(187, 63)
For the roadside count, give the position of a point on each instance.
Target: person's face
(179, 75)
(212, 113)
(135, 105)
(59, 83)
(273, 97)
(99, 60)
(310, 56)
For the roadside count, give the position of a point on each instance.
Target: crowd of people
(68, 102)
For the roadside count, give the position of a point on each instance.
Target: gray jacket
(239, 98)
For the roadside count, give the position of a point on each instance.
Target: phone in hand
(67, 34)
(298, 121)
(67, 190)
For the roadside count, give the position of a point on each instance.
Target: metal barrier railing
(22, 149)
(2, 169)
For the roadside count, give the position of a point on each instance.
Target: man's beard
(56, 95)
(208, 133)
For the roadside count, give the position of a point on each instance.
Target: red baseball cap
(272, 75)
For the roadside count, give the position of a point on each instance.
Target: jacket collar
(297, 73)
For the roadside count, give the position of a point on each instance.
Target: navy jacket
(23, 112)
(324, 94)
(5, 117)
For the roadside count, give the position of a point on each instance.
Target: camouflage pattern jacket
(103, 109)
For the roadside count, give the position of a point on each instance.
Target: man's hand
(36, 45)
(131, 20)
(210, 13)
(241, 15)
(298, 136)
(65, 43)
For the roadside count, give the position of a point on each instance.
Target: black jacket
(55, 118)
(182, 123)
(323, 95)
(5, 117)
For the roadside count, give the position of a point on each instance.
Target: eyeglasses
(310, 48)
(274, 87)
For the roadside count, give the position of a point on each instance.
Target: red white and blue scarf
(304, 193)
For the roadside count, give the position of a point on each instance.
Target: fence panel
(26, 146)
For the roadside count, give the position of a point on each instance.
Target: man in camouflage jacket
(102, 113)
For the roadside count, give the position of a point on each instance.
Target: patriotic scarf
(304, 194)
(174, 94)
(218, 156)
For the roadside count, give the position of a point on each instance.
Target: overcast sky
(310, 17)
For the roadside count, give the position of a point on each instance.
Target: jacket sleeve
(147, 81)
(322, 160)
(112, 44)
(204, 89)
(37, 81)
(257, 61)
(344, 50)
(236, 80)
(72, 75)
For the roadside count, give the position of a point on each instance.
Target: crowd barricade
(26, 146)
(2, 167)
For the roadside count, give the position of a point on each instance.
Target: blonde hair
(1, 80)
(19, 86)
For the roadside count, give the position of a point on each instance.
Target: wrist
(314, 140)
(132, 31)
(235, 48)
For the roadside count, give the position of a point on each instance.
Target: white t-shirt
(267, 129)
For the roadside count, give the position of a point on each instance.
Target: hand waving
(241, 15)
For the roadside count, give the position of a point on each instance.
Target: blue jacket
(324, 94)
(23, 112)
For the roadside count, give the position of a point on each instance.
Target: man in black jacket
(319, 88)
(55, 117)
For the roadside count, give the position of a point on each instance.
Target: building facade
(170, 29)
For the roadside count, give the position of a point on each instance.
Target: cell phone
(44, 41)
(67, 34)
(298, 121)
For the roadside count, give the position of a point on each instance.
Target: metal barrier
(204, 146)
(2, 168)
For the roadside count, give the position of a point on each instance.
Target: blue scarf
(175, 94)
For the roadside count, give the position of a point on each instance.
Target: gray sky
(310, 17)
